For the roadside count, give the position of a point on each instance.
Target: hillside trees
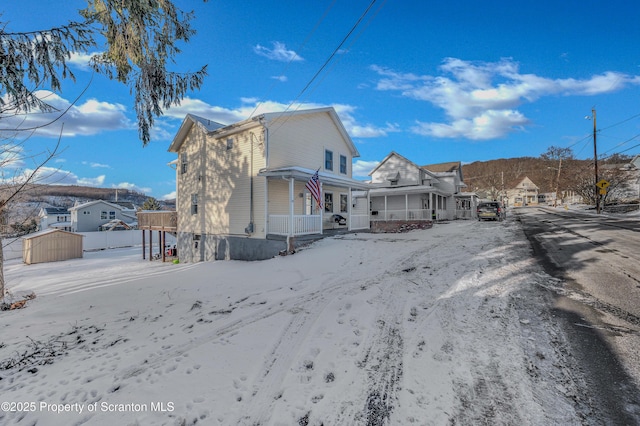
(139, 41)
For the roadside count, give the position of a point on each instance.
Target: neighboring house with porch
(54, 217)
(89, 217)
(522, 193)
(241, 187)
(403, 190)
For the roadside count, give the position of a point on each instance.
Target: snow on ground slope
(442, 326)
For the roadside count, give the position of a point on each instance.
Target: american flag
(314, 188)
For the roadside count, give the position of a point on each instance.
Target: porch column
(385, 207)
(349, 208)
(406, 206)
(434, 208)
(291, 209)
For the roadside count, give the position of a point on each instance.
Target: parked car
(492, 210)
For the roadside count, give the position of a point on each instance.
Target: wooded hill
(506, 173)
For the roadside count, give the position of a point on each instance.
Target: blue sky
(434, 81)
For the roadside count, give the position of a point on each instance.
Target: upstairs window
(194, 203)
(112, 215)
(328, 159)
(103, 215)
(343, 164)
(183, 163)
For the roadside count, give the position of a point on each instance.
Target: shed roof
(49, 231)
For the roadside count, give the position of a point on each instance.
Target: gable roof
(517, 183)
(395, 154)
(190, 120)
(55, 210)
(266, 119)
(452, 166)
(49, 231)
(94, 202)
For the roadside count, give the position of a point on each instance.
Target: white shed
(51, 245)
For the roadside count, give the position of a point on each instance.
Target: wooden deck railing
(158, 220)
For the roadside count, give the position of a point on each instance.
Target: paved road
(597, 262)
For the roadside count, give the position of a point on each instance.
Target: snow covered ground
(449, 325)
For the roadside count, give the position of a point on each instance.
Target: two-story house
(54, 217)
(241, 188)
(522, 192)
(89, 217)
(403, 190)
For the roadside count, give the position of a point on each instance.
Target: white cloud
(169, 196)
(81, 60)
(362, 168)
(278, 53)
(280, 78)
(132, 187)
(96, 165)
(88, 118)
(481, 99)
(251, 106)
(55, 176)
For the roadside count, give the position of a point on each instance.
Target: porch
(410, 203)
(291, 210)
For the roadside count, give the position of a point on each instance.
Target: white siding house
(54, 217)
(403, 190)
(241, 187)
(88, 217)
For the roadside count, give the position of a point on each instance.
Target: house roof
(55, 210)
(91, 203)
(518, 183)
(450, 167)
(206, 125)
(392, 154)
(303, 174)
(49, 231)
(219, 130)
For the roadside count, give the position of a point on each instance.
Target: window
(229, 143)
(112, 215)
(328, 202)
(103, 215)
(194, 203)
(343, 164)
(344, 203)
(328, 159)
(183, 163)
(86, 212)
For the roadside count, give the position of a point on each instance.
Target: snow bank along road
(451, 325)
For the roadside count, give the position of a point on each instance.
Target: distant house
(522, 192)
(89, 217)
(241, 188)
(54, 217)
(403, 190)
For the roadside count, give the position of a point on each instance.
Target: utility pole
(595, 160)
(555, 202)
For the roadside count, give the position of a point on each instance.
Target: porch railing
(302, 224)
(360, 221)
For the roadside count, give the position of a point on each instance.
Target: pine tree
(140, 41)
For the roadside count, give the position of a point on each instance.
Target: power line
(300, 49)
(326, 62)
